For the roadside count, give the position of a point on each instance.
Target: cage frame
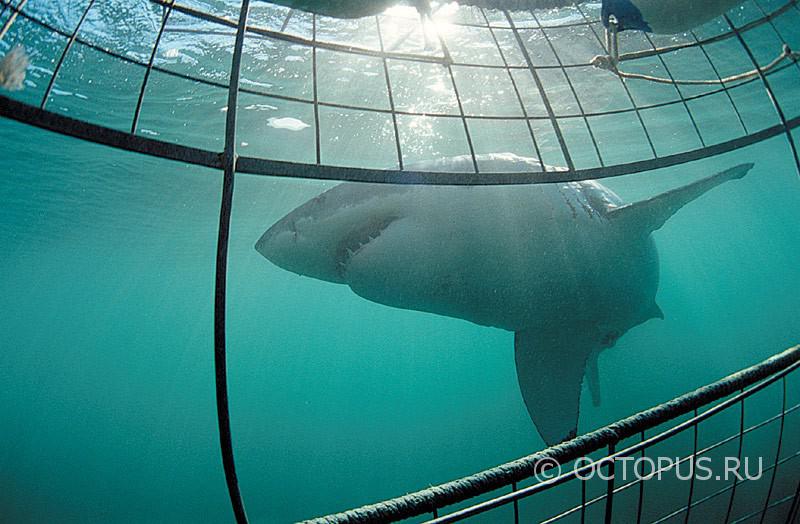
(230, 162)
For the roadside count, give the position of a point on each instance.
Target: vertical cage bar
(794, 510)
(149, 68)
(516, 91)
(540, 87)
(739, 458)
(391, 95)
(641, 487)
(516, 503)
(692, 481)
(624, 85)
(220, 290)
(463, 116)
(400, 40)
(796, 63)
(770, 93)
(680, 93)
(612, 448)
(314, 87)
(13, 16)
(571, 88)
(64, 54)
(583, 501)
(724, 87)
(771, 18)
(286, 20)
(777, 453)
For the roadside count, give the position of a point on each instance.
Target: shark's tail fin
(652, 213)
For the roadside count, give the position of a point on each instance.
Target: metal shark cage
(560, 85)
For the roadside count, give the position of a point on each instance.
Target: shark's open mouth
(359, 238)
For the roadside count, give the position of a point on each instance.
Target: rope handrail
(612, 64)
(682, 460)
(612, 60)
(767, 18)
(453, 492)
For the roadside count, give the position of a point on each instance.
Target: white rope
(611, 62)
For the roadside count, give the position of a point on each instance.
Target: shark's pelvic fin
(550, 382)
(652, 213)
(656, 312)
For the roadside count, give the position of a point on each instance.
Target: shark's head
(319, 238)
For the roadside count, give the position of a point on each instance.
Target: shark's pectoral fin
(652, 213)
(550, 380)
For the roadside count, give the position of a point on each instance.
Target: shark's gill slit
(359, 238)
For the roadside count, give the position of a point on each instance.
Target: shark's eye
(610, 338)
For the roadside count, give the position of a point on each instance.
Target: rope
(611, 62)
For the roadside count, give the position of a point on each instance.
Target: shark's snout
(298, 249)
(263, 242)
(321, 237)
(268, 243)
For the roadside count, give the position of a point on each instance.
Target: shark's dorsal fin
(652, 213)
(550, 379)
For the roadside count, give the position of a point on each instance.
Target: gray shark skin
(569, 268)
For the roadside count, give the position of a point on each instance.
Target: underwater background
(106, 355)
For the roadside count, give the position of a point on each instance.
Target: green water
(107, 397)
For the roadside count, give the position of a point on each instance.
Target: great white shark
(568, 267)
